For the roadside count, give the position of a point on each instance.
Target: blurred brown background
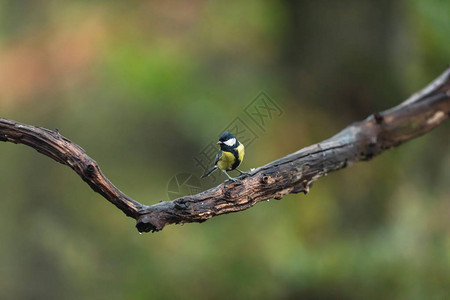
(144, 86)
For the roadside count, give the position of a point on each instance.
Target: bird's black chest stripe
(232, 150)
(236, 159)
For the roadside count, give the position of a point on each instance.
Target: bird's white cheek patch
(230, 142)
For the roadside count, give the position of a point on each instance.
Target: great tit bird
(230, 156)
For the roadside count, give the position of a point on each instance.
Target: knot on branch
(180, 205)
(266, 179)
(89, 171)
(148, 222)
(378, 118)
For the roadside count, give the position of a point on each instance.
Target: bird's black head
(227, 141)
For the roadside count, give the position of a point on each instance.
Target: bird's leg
(246, 173)
(231, 178)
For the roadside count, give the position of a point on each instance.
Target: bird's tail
(208, 172)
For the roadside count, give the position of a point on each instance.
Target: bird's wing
(218, 156)
(214, 166)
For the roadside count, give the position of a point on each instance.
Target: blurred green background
(143, 86)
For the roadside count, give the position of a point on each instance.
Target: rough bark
(294, 173)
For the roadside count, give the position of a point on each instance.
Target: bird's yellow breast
(228, 159)
(241, 151)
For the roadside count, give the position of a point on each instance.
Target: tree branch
(294, 173)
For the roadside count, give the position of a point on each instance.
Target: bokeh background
(143, 86)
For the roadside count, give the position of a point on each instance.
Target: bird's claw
(242, 172)
(231, 179)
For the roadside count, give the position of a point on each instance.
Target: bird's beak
(219, 142)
